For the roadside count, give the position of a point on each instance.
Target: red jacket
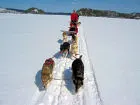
(74, 17)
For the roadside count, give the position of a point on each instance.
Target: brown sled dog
(46, 74)
(65, 37)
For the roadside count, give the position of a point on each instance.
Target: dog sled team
(67, 48)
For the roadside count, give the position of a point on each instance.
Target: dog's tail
(80, 57)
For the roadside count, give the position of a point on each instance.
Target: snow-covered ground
(4, 10)
(110, 49)
(113, 46)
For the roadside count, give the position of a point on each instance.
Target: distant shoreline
(82, 12)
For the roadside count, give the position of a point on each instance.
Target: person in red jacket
(74, 18)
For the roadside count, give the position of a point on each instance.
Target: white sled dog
(74, 46)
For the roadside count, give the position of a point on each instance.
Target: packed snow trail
(61, 90)
(91, 90)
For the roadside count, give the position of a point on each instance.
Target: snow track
(61, 90)
(91, 90)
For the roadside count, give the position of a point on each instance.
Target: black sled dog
(78, 73)
(64, 49)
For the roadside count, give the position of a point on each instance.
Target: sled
(68, 32)
(75, 23)
(47, 70)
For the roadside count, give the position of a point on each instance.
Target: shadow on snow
(38, 81)
(67, 75)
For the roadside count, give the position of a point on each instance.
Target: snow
(2, 9)
(110, 49)
(114, 50)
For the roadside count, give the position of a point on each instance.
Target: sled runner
(47, 70)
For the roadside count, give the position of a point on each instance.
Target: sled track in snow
(58, 93)
(99, 100)
(59, 96)
(40, 96)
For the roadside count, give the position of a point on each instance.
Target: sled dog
(64, 49)
(74, 49)
(47, 70)
(78, 73)
(65, 37)
(74, 38)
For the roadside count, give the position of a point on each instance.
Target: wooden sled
(68, 32)
(47, 70)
